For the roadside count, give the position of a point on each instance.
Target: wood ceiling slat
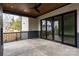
(29, 10)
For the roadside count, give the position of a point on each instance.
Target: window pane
(57, 29)
(11, 23)
(43, 29)
(69, 28)
(49, 29)
(11, 27)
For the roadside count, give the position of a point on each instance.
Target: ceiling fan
(36, 6)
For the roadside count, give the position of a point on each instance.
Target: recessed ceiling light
(25, 10)
(12, 6)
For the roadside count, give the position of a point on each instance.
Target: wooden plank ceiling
(31, 9)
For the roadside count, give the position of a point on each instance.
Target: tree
(16, 25)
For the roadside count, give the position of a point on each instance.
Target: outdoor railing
(14, 36)
(11, 36)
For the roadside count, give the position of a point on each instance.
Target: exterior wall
(25, 27)
(33, 24)
(25, 21)
(29, 28)
(33, 28)
(67, 8)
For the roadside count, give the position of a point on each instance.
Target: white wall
(25, 24)
(29, 24)
(33, 24)
(64, 9)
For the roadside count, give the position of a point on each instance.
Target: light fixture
(25, 10)
(12, 6)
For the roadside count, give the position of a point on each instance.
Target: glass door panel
(43, 28)
(57, 28)
(49, 29)
(69, 28)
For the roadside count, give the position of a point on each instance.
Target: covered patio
(39, 29)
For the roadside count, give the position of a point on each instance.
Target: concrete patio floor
(38, 47)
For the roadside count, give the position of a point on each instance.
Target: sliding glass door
(69, 28)
(61, 28)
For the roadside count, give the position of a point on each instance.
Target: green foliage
(16, 25)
